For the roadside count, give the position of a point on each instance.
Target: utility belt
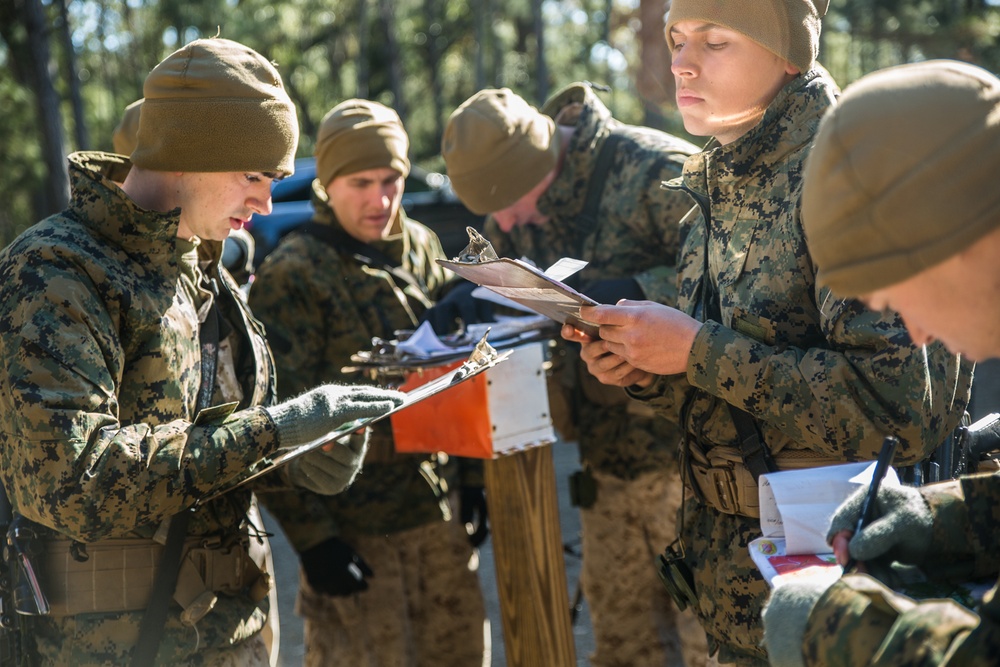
(118, 575)
(720, 478)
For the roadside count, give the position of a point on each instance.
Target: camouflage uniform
(631, 453)
(320, 306)
(99, 376)
(825, 379)
(858, 621)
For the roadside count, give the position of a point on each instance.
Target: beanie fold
(214, 135)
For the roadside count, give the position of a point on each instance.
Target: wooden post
(527, 548)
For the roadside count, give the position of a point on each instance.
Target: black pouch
(677, 576)
(582, 489)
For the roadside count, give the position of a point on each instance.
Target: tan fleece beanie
(903, 174)
(357, 135)
(216, 105)
(123, 138)
(497, 148)
(788, 28)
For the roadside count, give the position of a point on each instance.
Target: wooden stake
(527, 548)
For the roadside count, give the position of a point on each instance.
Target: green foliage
(323, 47)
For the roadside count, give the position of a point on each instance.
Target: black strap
(753, 449)
(363, 252)
(587, 220)
(154, 619)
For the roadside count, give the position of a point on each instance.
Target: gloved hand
(458, 305)
(334, 568)
(901, 529)
(329, 469)
(472, 513)
(785, 616)
(317, 412)
(612, 290)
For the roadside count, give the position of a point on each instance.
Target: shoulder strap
(595, 185)
(363, 252)
(154, 619)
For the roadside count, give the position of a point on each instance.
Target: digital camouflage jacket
(824, 377)
(99, 376)
(858, 621)
(320, 305)
(636, 236)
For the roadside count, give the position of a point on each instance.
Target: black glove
(610, 291)
(472, 513)
(459, 306)
(332, 567)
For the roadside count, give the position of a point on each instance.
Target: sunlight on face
(213, 204)
(725, 80)
(366, 202)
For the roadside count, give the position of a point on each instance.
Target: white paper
(798, 504)
(424, 343)
(564, 268)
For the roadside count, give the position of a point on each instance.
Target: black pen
(868, 507)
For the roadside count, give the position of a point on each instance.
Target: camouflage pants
(731, 591)
(423, 607)
(635, 622)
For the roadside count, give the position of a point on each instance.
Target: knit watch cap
(788, 28)
(496, 148)
(216, 105)
(123, 138)
(903, 174)
(357, 135)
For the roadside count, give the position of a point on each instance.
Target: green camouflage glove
(317, 412)
(330, 472)
(785, 617)
(900, 530)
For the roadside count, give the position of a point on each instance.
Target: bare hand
(842, 551)
(646, 335)
(840, 548)
(607, 367)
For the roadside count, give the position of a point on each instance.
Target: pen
(868, 507)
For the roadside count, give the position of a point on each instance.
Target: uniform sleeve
(73, 460)
(965, 542)
(858, 621)
(868, 379)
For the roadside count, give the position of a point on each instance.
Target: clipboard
(482, 358)
(521, 282)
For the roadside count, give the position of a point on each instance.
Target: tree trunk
(364, 58)
(29, 54)
(73, 79)
(541, 71)
(480, 21)
(654, 80)
(387, 14)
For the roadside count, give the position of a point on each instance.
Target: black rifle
(977, 443)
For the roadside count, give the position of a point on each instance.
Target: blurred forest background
(68, 68)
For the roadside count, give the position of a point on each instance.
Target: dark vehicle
(427, 198)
